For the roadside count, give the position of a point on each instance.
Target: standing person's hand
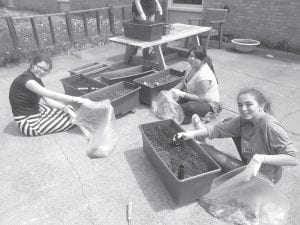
(159, 9)
(143, 16)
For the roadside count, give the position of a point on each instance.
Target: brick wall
(273, 20)
(38, 5)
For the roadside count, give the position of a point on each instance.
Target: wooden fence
(111, 13)
(68, 20)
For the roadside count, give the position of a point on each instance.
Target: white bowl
(245, 45)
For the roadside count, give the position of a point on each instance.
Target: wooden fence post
(35, 33)
(84, 17)
(12, 31)
(70, 27)
(52, 30)
(111, 20)
(123, 13)
(98, 22)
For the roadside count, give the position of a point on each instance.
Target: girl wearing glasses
(32, 117)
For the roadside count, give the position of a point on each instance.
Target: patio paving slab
(51, 180)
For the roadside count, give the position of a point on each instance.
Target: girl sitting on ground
(198, 92)
(32, 117)
(261, 140)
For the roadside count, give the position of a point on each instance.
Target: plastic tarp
(97, 120)
(239, 202)
(165, 106)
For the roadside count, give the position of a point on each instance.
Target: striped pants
(49, 120)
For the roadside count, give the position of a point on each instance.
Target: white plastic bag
(96, 120)
(254, 202)
(165, 106)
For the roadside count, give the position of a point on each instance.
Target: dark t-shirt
(148, 6)
(23, 101)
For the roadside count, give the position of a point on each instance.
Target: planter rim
(109, 86)
(185, 180)
(245, 42)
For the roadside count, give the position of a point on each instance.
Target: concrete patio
(51, 180)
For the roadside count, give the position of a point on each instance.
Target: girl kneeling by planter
(262, 142)
(198, 92)
(32, 117)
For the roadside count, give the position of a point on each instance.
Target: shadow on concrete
(12, 129)
(149, 181)
(116, 58)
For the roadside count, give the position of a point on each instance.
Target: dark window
(195, 2)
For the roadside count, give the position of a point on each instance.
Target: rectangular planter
(80, 85)
(185, 190)
(127, 74)
(89, 69)
(124, 96)
(152, 84)
(143, 30)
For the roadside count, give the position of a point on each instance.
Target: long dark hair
(259, 97)
(200, 53)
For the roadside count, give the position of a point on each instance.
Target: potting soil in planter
(111, 96)
(161, 138)
(166, 78)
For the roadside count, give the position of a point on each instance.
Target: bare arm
(140, 9)
(203, 132)
(277, 160)
(40, 90)
(54, 103)
(159, 9)
(202, 87)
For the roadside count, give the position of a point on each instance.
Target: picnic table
(178, 31)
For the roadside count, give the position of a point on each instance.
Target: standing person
(145, 10)
(263, 144)
(32, 117)
(198, 92)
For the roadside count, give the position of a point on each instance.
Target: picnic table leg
(160, 57)
(127, 54)
(207, 40)
(195, 40)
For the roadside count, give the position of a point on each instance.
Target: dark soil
(111, 95)
(166, 78)
(161, 138)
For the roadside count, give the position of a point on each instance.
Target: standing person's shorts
(49, 120)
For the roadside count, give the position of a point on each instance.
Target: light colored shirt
(204, 73)
(268, 137)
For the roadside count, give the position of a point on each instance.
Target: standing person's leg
(192, 107)
(146, 53)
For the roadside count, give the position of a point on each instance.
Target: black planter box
(90, 69)
(73, 87)
(127, 74)
(185, 190)
(143, 30)
(122, 103)
(149, 92)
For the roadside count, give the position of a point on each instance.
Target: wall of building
(273, 21)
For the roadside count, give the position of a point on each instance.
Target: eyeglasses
(43, 69)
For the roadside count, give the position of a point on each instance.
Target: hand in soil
(176, 141)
